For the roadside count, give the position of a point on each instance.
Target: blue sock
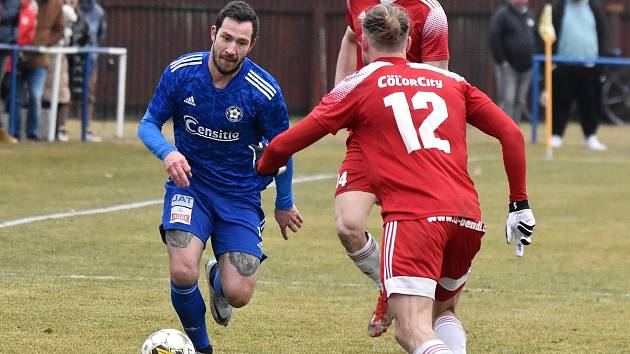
(216, 283)
(191, 309)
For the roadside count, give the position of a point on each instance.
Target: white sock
(433, 346)
(450, 330)
(368, 260)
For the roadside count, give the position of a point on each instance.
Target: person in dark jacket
(9, 19)
(513, 41)
(582, 31)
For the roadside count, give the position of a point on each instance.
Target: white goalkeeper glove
(258, 151)
(520, 223)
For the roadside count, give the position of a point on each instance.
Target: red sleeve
(303, 134)
(434, 36)
(335, 111)
(348, 16)
(490, 119)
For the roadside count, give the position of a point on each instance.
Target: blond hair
(386, 26)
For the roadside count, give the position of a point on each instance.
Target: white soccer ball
(167, 341)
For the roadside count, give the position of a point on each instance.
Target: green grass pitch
(99, 283)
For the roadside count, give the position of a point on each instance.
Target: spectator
(32, 70)
(94, 16)
(70, 17)
(513, 41)
(9, 19)
(582, 31)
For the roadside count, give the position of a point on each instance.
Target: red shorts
(352, 176)
(429, 257)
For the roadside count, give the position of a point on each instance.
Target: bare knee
(238, 277)
(238, 296)
(183, 274)
(184, 251)
(351, 213)
(349, 229)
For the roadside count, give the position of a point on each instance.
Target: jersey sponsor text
(397, 80)
(193, 127)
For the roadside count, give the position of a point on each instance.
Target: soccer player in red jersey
(354, 197)
(410, 120)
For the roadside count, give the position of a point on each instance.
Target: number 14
(426, 132)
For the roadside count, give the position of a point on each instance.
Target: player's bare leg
(351, 213)
(184, 255)
(414, 327)
(234, 285)
(239, 272)
(447, 326)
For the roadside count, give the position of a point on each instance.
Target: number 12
(426, 132)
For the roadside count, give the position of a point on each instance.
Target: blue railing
(535, 90)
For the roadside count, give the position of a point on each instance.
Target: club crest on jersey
(234, 114)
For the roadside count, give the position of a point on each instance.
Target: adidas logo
(190, 100)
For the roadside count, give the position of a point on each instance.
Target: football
(167, 341)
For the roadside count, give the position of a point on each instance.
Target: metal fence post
(535, 93)
(14, 128)
(87, 67)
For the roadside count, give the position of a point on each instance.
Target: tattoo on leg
(246, 264)
(178, 238)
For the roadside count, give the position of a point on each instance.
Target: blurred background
(298, 43)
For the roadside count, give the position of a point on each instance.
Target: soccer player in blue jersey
(220, 103)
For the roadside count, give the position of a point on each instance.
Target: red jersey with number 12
(410, 121)
(429, 27)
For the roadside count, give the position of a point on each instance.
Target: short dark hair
(240, 11)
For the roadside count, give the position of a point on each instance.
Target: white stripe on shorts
(451, 284)
(390, 239)
(411, 286)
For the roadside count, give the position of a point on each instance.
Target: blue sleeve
(151, 135)
(161, 109)
(274, 120)
(284, 190)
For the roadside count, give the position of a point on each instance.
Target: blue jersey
(213, 127)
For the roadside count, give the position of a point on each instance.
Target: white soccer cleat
(219, 306)
(592, 143)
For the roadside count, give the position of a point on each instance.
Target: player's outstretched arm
(280, 149)
(490, 119)
(290, 218)
(347, 59)
(259, 150)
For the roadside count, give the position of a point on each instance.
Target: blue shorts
(233, 223)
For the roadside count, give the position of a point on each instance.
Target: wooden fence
(298, 42)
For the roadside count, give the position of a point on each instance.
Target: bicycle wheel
(616, 97)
